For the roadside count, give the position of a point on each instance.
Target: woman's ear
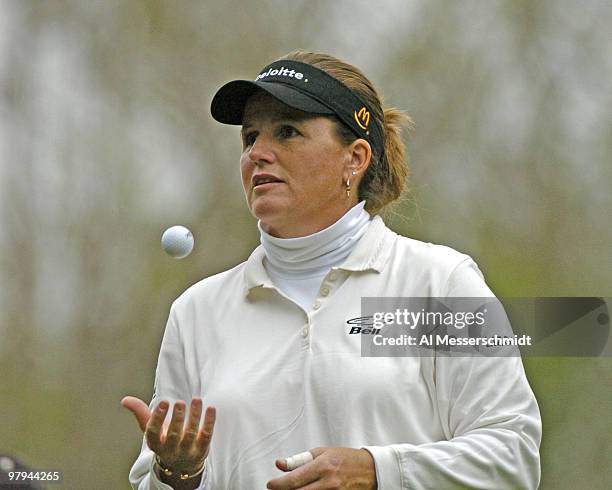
(361, 155)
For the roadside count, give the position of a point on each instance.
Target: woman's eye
(249, 139)
(287, 131)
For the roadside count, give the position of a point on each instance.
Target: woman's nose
(261, 150)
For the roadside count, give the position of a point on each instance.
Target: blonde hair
(386, 177)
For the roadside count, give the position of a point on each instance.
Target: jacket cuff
(388, 474)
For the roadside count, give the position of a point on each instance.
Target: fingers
(281, 464)
(175, 429)
(206, 433)
(193, 423)
(338, 467)
(295, 461)
(179, 440)
(302, 471)
(297, 478)
(140, 410)
(153, 432)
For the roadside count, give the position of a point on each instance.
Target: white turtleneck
(297, 266)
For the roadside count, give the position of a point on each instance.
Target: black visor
(302, 87)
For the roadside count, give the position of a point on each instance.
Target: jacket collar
(371, 253)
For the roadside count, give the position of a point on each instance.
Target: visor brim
(227, 105)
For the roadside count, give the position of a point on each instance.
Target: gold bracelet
(183, 476)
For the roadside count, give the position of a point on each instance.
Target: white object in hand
(298, 460)
(177, 241)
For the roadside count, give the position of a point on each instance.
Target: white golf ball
(177, 241)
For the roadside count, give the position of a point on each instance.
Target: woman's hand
(337, 467)
(179, 446)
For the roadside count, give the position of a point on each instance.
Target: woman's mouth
(263, 181)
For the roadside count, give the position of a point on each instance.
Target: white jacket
(285, 380)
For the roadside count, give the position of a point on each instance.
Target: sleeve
(490, 418)
(171, 383)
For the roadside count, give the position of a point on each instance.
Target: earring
(348, 185)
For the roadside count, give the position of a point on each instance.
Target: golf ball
(177, 241)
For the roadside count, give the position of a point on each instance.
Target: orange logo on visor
(362, 117)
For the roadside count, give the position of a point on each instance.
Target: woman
(267, 343)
